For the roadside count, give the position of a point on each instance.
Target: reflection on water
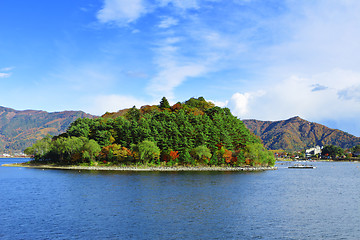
(319, 203)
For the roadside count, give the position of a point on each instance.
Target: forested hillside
(189, 133)
(296, 133)
(20, 129)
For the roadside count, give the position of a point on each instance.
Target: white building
(313, 151)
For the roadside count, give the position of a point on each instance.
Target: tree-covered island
(192, 133)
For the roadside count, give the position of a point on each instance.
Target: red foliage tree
(227, 156)
(174, 155)
(176, 106)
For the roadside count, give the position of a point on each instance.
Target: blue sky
(268, 60)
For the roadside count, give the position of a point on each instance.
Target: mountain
(296, 133)
(20, 129)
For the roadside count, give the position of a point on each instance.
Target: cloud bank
(338, 99)
(276, 60)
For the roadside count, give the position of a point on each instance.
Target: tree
(64, 150)
(174, 155)
(256, 154)
(199, 103)
(186, 158)
(40, 149)
(201, 153)
(114, 153)
(164, 103)
(177, 106)
(133, 114)
(90, 150)
(356, 151)
(79, 128)
(332, 151)
(103, 137)
(148, 151)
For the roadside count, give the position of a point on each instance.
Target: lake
(321, 203)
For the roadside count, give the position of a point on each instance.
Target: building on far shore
(15, 155)
(313, 151)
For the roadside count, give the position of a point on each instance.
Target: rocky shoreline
(143, 169)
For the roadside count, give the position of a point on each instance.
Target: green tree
(133, 114)
(73, 150)
(355, 151)
(186, 158)
(40, 149)
(164, 103)
(148, 151)
(258, 155)
(332, 151)
(80, 128)
(201, 153)
(199, 103)
(90, 150)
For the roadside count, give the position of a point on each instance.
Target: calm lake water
(321, 203)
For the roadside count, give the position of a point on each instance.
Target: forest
(190, 133)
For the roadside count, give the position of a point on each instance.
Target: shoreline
(144, 169)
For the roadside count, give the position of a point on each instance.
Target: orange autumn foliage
(174, 155)
(176, 107)
(227, 156)
(115, 152)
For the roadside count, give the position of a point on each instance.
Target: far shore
(142, 168)
(319, 160)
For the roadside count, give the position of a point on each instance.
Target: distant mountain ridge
(296, 133)
(20, 129)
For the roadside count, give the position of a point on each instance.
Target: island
(191, 135)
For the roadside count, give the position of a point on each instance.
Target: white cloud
(188, 52)
(6, 69)
(339, 99)
(294, 58)
(5, 72)
(180, 54)
(171, 76)
(350, 93)
(239, 102)
(114, 103)
(182, 4)
(307, 66)
(219, 103)
(173, 68)
(168, 22)
(121, 12)
(316, 37)
(4, 75)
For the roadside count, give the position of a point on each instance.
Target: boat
(302, 166)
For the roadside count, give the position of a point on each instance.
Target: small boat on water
(302, 166)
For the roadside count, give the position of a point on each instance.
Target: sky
(267, 60)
